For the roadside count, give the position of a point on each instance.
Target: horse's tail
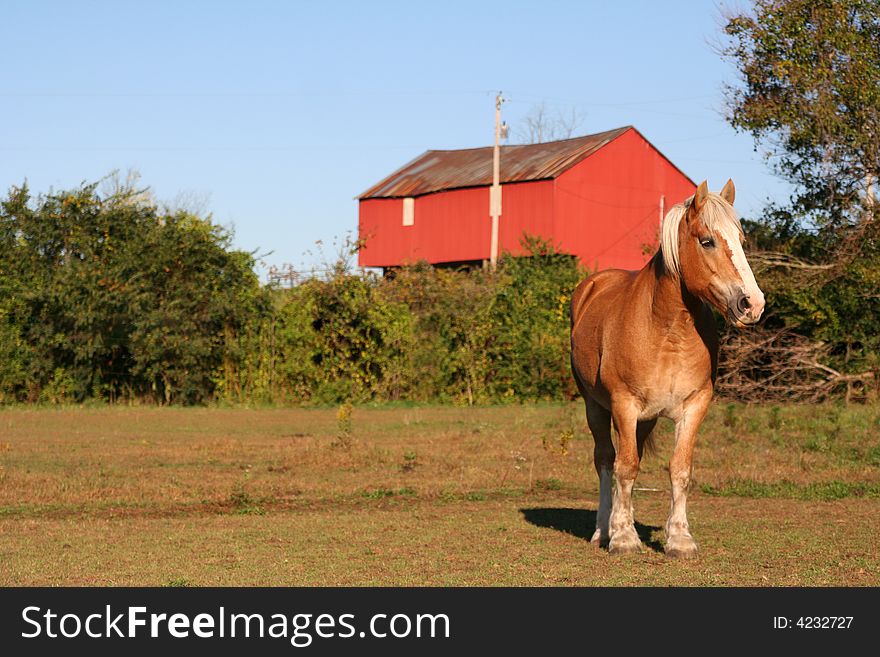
(578, 297)
(645, 441)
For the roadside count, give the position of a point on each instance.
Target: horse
(644, 344)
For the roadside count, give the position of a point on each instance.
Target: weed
(775, 421)
(383, 493)
(378, 493)
(244, 504)
(817, 443)
(731, 419)
(548, 484)
(410, 461)
(178, 583)
(343, 426)
(447, 496)
(565, 438)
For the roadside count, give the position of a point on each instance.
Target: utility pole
(495, 192)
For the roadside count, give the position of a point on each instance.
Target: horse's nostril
(743, 304)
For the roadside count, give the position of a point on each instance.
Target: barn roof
(434, 171)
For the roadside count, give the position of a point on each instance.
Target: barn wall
(448, 227)
(605, 210)
(379, 225)
(453, 226)
(607, 207)
(525, 208)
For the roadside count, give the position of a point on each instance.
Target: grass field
(423, 496)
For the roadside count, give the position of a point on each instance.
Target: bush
(340, 339)
(109, 297)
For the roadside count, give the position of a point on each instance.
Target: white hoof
(624, 542)
(681, 547)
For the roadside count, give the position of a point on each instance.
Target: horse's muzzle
(745, 311)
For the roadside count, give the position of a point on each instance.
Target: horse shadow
(582, 523)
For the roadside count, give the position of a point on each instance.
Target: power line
(603, 203)
(626, 103)
(625, 234)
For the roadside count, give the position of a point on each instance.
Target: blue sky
(276, 114)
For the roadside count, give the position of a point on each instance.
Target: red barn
(599, 197)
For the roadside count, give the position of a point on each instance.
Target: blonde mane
(716, 214)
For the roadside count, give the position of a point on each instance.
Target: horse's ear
(700, 197)
(729, 192)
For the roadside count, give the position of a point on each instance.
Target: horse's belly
(659, 406)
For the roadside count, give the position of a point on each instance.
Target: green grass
(424, 495)
(825, 490)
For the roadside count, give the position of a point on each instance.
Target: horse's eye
(707, 242)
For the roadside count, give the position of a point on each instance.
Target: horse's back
(594, 301)
(591, 292)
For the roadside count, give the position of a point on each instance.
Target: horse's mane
(717, 213)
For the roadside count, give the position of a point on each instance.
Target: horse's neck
(670, 300)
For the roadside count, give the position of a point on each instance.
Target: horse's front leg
(622, 528)
(679, 542)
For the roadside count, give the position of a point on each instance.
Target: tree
(529, 316)
(810, 94)
(540, 125)
(191, 298)
(103, 295)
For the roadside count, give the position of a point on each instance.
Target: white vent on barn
(409, 211)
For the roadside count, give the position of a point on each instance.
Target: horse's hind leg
(599, 420)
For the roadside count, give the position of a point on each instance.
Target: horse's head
(708, 255)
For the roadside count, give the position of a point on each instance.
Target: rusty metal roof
(434, 171)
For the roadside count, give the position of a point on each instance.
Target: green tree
(193, 295)
(107, 296)
(339, 339)
(530, 314)
(450, 356)
(809, 94)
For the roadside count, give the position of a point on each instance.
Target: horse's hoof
(676, 553)
(624, 545)
(599, 539)
(681, 549)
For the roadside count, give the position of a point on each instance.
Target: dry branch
(779, 365)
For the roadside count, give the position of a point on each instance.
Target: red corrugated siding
(608, 206)
(379, 226)
(453, 226)
(526, 208)
(447, 227)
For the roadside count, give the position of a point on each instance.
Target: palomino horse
(644, 344)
